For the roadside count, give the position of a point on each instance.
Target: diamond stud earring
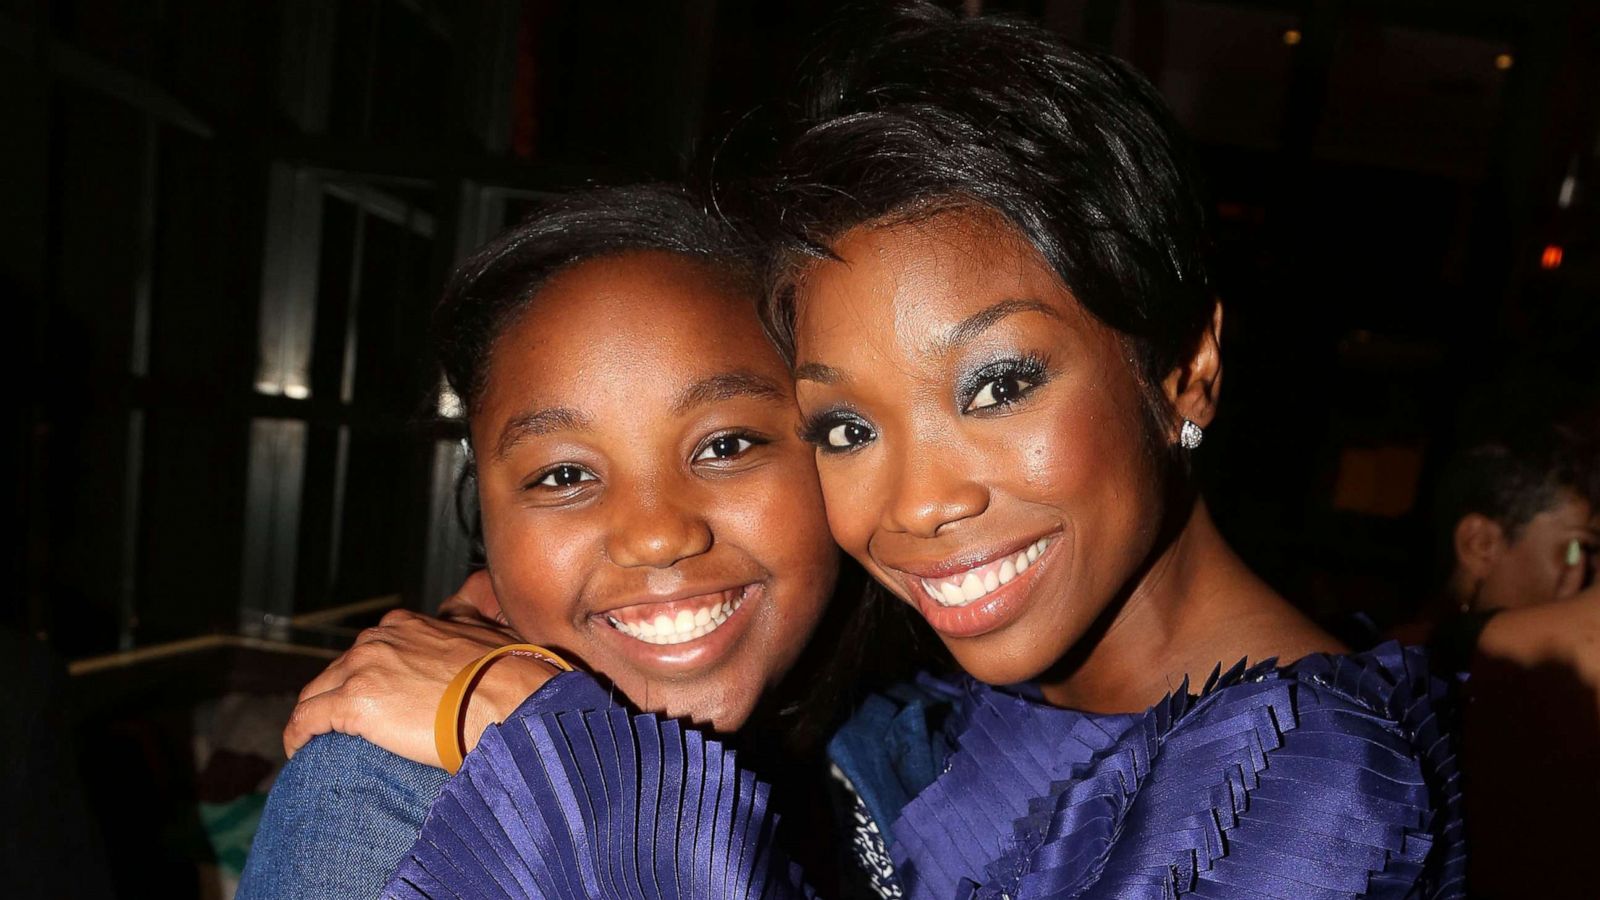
(1190, 436)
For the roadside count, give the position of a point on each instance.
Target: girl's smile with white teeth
(677, 623)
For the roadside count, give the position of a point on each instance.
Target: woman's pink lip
(957, 565)
(993, 611)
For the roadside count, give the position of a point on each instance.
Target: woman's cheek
(847, 502)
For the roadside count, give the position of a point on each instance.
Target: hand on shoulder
(386, 688)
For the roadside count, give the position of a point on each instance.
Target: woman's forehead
(923, 278)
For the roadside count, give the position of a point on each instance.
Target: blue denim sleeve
(340, 816)
(344, 811)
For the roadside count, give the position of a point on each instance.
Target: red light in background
(1551, 258)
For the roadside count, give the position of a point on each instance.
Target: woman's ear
(1478, 541)
(1192, 387)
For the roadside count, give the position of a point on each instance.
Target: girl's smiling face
(983, 442)
(647, 505)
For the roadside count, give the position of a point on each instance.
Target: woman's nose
(932, 492)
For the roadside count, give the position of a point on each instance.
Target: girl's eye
(565, 476)
(726, 446)
(999, 392)
(849, 434)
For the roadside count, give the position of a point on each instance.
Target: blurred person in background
(1517, 623)
(1517, 528)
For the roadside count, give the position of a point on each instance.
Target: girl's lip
(990, 612)
(678, 660)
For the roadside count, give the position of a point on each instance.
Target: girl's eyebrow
(536, 423)
(726, 386)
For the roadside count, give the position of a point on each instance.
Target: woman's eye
(565, 476)
(999, 392)
(849, 434)
(725, 447)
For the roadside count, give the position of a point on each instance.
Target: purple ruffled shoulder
(1331, 777)
(575, 797)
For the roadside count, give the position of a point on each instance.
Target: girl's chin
(715, 706)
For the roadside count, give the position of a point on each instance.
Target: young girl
(647, 510)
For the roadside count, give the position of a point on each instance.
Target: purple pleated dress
(1331, 777)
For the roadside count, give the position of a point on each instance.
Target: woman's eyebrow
(726, 386)
(819, 373)
(988, 317)
(536, 423)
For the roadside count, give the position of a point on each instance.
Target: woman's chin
(996, 666)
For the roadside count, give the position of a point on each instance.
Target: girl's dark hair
(487, 292)
(932, 112)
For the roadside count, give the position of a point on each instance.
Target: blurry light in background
(1569, 185)
(1503, 61)
(1551, 258)
(449, 405)
(1292, 36)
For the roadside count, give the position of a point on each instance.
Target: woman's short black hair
(487, 292)
(928, 111)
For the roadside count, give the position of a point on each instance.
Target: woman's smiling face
(646, 502)
(982, 440)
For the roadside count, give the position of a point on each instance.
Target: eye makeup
(836, 430)
(1025, 372)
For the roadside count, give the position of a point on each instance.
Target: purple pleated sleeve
(574, 797)
(1329, 778)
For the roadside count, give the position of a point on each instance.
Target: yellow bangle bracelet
(448, 721)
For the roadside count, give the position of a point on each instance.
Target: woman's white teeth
(685, 626)
(959, 590)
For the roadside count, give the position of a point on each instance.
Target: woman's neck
(1196, 606)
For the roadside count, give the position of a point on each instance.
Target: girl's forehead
(628, 331)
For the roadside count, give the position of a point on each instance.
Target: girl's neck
(1196, 606)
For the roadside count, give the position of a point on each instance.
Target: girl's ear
(475, 600)
(1193, 386)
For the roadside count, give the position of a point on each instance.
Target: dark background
(226, 223)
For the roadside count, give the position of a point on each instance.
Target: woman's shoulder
(1333, 776)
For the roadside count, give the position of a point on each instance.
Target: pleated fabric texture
(592, 804)
(1329, 778)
